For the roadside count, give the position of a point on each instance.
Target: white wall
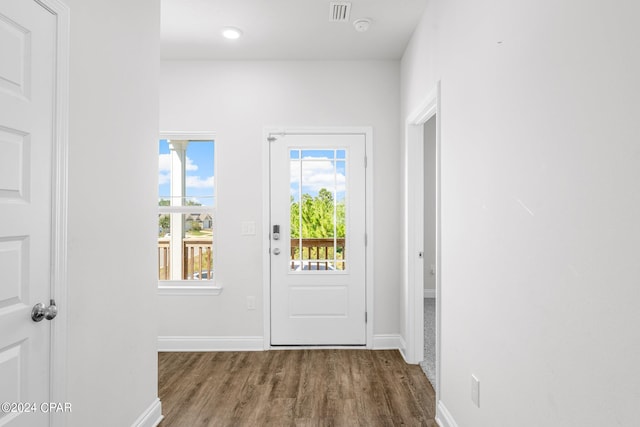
(237, 100)
(540, 207)
(112, 209)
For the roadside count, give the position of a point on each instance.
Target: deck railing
(318, 254)
(197, 263)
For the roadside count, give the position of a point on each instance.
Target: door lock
(276, 232)
(40, 312)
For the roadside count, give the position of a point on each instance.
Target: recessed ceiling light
(231, 33)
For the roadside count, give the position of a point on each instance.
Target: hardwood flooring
(293, 388)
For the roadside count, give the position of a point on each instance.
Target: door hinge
(365, 317)
(365, 162)
(365, 239)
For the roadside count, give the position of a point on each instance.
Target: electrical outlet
(251, 303)
(475, 390)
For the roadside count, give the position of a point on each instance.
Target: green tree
(317, 214)
(164, 222)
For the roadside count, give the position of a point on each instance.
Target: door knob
(40, 312)
(276, 251)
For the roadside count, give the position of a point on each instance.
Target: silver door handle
(276, 251)
(40, 312)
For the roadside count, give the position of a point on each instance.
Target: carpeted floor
(428, 365)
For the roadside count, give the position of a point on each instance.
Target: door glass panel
(318, 210)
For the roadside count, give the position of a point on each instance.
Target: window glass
(186, 191)
(318, 209)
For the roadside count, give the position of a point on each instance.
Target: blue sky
(200, 171)
(320, 169)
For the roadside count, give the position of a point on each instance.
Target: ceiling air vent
(339, 11)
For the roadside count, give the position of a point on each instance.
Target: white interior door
(318, 249)
(27, 76)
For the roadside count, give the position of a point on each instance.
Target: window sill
(175, 289)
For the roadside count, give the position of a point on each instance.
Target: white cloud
(199, 182)
(318, 174)
(190, 165)
(164, 178)
(164, 163)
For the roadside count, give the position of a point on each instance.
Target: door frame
(414, 231)
(367, 132)
(59, 291)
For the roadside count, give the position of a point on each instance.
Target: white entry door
(318, 240)
(27, 76)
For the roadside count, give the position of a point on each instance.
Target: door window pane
(318, 210)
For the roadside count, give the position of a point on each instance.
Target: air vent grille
(339, 11)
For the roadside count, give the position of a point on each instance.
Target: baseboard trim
(204, 343)
(403, 350)
(429, 293)
(444, 417)
(387, 342)
(151, 417)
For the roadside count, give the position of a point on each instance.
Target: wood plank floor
(293, 388)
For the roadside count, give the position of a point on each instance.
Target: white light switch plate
(248, 228)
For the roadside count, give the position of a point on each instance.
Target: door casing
(413, 239)
(58, 362)
(367, 131)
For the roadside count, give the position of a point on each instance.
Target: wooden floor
(293, 388)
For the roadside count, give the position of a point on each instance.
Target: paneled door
(27, 82)
(318, 248)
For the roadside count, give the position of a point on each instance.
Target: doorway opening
(428, 363)
(422, 235)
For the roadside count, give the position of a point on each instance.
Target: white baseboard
(403, 350)
(443, 416)
(387, 342)
(429, 293)
(199, 343)
(151, 417)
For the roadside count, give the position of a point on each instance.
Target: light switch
(248, 228)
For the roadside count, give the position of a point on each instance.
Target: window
(186, 212)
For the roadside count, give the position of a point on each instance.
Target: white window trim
(186, 287)
(174, 287)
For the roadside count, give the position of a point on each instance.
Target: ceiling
(286, 29)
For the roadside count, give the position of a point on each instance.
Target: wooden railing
(197, 263)
(319, 253)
